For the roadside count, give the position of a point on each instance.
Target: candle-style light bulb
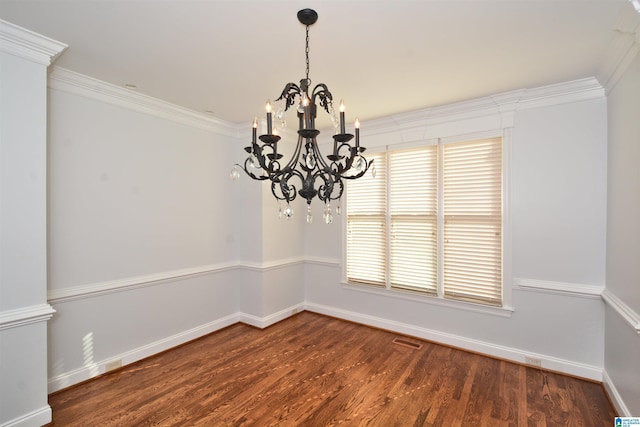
(357, 126)
(254, 130)
(269, 122)
(306, 112)
(342, 117)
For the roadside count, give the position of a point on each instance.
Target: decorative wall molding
(78, 84)
(623, 49)
(58, 296)
(28, 45)
(326, 262)
(494, 350)
(25, 316)
(560, 288)
(626, 312)
(271, 265)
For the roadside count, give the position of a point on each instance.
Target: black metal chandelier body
(316, 175)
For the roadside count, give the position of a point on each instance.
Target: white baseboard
(616, 399)
(87, 372)
(502, 352)
(39, 417)
(263, 322)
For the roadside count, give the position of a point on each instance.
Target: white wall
(622, 328)
(558, 221)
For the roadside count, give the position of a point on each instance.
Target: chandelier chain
(306, 52)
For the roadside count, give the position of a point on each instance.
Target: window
(430, 222)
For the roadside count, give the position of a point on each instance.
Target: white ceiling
(381, 57)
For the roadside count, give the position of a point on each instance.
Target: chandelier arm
(258, 152)
(289, 192)
(358, 175)
(319, 157)
(289, 94)
(325, 190)
(296, 155)
(326, 98)
(251, 174)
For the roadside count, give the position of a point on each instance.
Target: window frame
(412, 295)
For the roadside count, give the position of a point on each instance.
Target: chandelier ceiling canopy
(307, 173)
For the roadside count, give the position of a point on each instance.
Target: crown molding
(499, 108)
(78, 84)
(28, 45)
(624, 47)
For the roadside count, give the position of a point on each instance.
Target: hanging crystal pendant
(235, 173)
(280, 213)
(281, 117)
(288, 212)
(373, 171)
(327, 216)
(309, 216)
(359, 164)
(310, 160)
(254, 161)
(339, 208)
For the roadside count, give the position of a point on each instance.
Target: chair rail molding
(626, 312)
(25, 316)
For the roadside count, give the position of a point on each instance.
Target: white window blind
(430, 222)
(472, 195)
(366, 225)
(413, 208)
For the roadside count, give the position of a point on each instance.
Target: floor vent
(405, 343)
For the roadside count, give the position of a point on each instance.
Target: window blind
(366, 225)
(472, 208)
(413, 208)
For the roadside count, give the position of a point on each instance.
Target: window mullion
(440, 219)
(388, 222)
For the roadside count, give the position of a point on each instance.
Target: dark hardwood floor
(314, 370)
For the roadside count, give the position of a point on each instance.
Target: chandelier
(307, 173)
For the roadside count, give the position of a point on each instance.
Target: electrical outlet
(533, 361)
(114, 364)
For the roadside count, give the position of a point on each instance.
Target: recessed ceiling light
(130, 86)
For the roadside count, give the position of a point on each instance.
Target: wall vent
(406, 343)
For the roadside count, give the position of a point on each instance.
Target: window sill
(504, 311)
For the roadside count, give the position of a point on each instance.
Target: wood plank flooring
(313, 370)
